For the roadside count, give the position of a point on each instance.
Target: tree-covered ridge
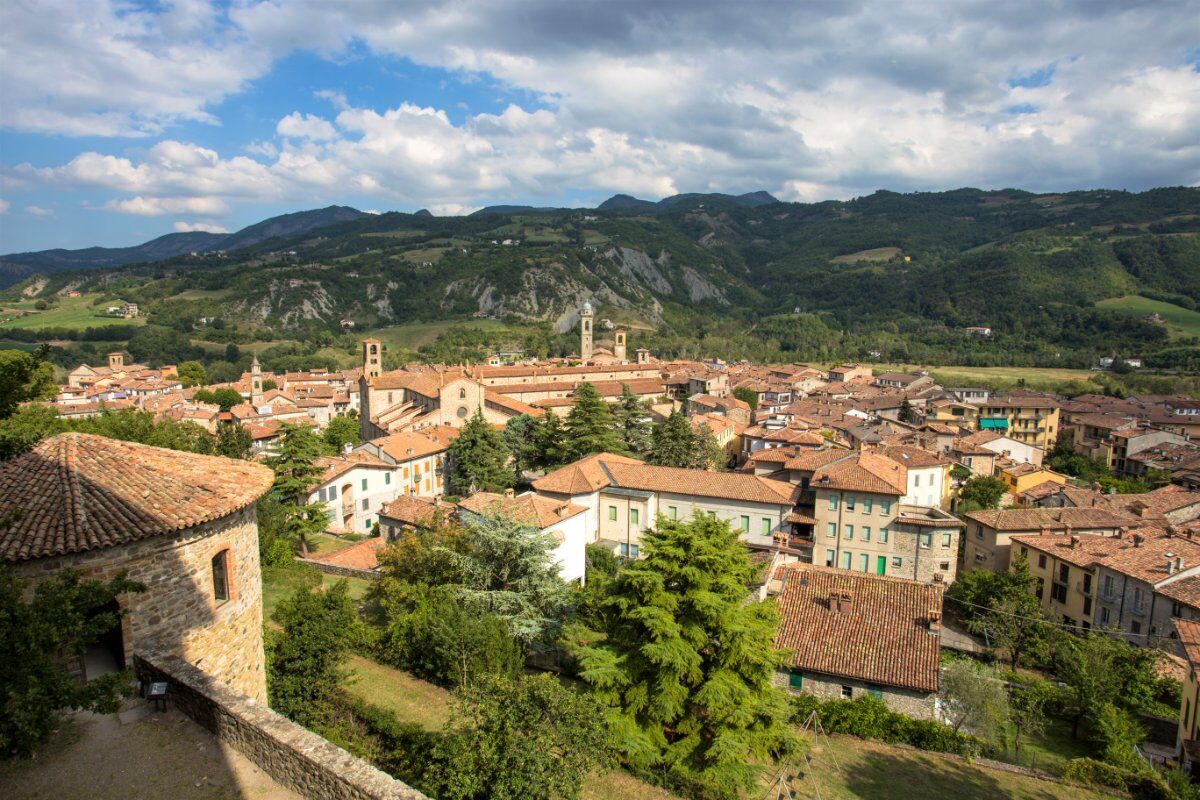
(899, 275)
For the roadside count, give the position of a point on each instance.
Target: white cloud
(38, 211)
(808, 101)
(4, 206)
(189, 227)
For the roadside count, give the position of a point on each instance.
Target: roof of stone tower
(77, 492)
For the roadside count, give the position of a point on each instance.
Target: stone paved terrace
(137, 754)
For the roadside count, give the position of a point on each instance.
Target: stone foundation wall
(340, 571)
(294, 756)
(179, 613)
(917, 705)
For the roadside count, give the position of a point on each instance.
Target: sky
(121, 121)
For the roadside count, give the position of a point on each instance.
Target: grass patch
(283, 581)
(75, 313)
(846, 768)
(1179, 321)
(1051, 749)
(874, 254)
(411, 699)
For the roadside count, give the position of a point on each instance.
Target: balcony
(1084, 589)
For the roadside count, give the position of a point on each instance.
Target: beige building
(1187, 741)
(989, 533)
(1065, 568)
(182, 524)
(850, 634)
(624, 496)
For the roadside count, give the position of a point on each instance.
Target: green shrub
(868, 718)
(1090, 772)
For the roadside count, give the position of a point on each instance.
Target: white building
(563, 521)
(354, 488)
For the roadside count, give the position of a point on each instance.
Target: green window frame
(612, 513)
(833, 500)
(387, 479)
(672, 512)
(796, 680)
(364, 484)
(846, 559)
(849, 531)
(883, 535)
(766, 525)
(864, 562)
(831, 530)
(868, 504)
(830, 558)
(866, 533)
(745, 521)
(849, 502)
(885, 506)
(633, 516)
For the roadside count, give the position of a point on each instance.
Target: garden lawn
(281, 582)
(416, 701)
(846, 768)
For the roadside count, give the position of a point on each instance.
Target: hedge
(868, 718)
(1090, 772)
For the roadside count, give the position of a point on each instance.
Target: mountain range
(885, 276)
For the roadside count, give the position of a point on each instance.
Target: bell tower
(256, 383)
(619, 345)
(372, 364)
(585, 330)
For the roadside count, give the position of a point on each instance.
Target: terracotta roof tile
(882, 637)
(77, 492)
(1033, 519)
(1189, 637)
(529, 507)
(360, 555)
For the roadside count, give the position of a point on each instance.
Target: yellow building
(1032, 420)
(1065, 568)
(1019, 477)
(1187, 743)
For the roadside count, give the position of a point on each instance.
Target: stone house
(182, 524)
(1140, 588)
(851, 634)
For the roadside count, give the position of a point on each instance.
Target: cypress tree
(478, 460)
(591, 427)
(686, 668)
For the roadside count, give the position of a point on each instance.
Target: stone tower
(372, 358)
(256, 383)
(585, 330)
(619, 345)
(116, 360)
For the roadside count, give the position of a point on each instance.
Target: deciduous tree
(341, 431)
(24, 377)
(973, 697)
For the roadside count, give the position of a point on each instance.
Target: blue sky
(142, 119)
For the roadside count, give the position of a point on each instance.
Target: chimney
(1074, 542)
(509, 493)
(935, 622)
(1172, 563)
(347, 448)
(1137, 540)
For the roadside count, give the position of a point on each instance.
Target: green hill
(888, 277)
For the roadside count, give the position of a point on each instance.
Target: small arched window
(462, 393)
(220, 576)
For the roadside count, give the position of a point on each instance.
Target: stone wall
(918, 705)
(178, 612)
(294, 756)
(340, 571)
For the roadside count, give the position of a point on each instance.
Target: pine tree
(550, 439)
(590, 425)
(686, 667)
(674, 442)
(633, 422)
(907, 413)
(233, 441)
(478, 460)
(296, 472)
(521, 439)
(707, 452)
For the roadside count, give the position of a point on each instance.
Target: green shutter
(875, 691)
(880, 565)
(796, 680)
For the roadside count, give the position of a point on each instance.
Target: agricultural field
(70, 312)
(996, 377)
(874, 254)
(1179, 321)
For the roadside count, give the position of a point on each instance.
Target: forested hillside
(888, 277)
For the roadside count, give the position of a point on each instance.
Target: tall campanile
(585, 330)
